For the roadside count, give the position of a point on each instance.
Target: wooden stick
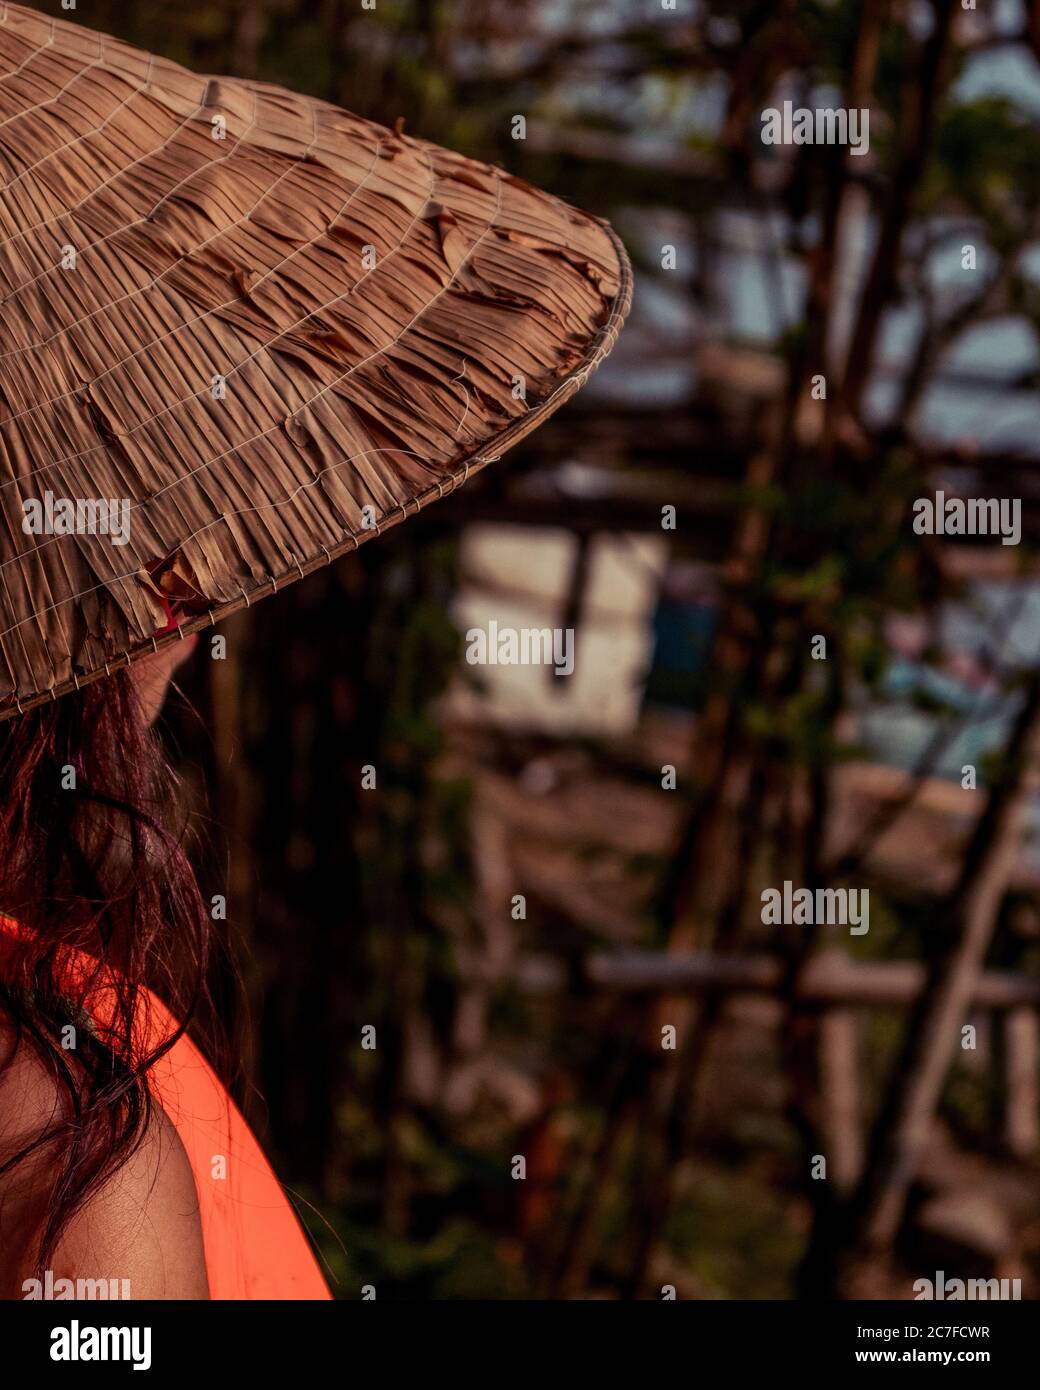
(1021, 1053)
(827, 979)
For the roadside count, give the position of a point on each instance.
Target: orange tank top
(253, 1242)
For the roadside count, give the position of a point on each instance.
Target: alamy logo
(525, 646)
(80, 516)
(974, 516)
(58, 1289)
(954, 1290)
(827, 906)
(820, 126)
(76, 1343)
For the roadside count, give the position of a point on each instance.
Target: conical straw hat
(244, 331)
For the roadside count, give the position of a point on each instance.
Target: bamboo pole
(908, 1112)
(840, 1097)
(1021, 1053)
(826, 979)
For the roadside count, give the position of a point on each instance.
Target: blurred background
(555, 878)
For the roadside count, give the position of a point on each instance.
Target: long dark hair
(88, 864)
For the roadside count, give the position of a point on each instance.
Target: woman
(244, 332)
(121, 1158)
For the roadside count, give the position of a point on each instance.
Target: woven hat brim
(273, 328)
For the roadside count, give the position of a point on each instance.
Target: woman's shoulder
(141, 1224)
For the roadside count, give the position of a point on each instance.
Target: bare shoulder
(142, 1225)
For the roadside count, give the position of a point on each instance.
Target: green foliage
(986, 158)
(739, 1238)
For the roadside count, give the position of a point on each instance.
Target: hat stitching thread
(71, 458)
